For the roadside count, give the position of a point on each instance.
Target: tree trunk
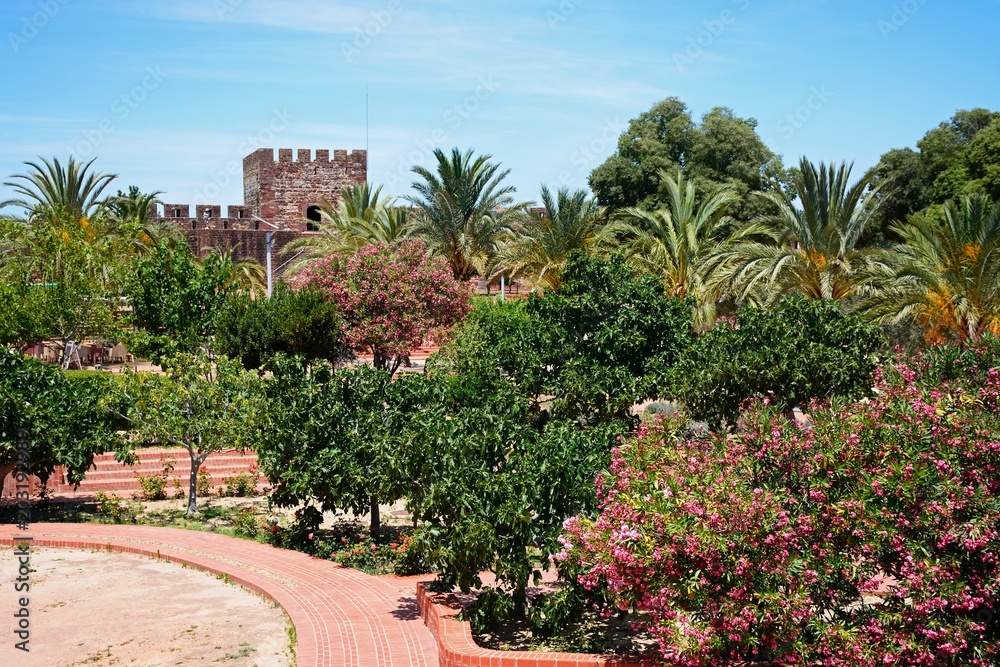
(376, 519)
(193, 485)
(520, 600)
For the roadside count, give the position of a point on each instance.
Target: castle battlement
(209, 216)
(305, 155)
(286, 190)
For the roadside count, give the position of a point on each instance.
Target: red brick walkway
(342, 617)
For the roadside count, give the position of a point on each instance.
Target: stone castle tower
(286, 193)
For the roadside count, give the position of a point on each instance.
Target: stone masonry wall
(279, 191)
(282, 191)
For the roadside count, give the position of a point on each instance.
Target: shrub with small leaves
(117, 510)
(247, 523)
(204, 485)
(242, 484)
(154, 487)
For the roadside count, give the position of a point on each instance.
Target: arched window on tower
(313, 217)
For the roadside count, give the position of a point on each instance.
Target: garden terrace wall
(110, 476)
(457, 648)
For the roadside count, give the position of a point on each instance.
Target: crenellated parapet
(209, 216)
(284, 190)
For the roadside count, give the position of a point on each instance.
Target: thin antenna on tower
(366, 127)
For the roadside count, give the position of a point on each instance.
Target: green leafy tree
(588, 352)
(325, 438)
(64, 420)
(949, 161)
(487, 489)
(945, 275)
(462, 209)
(798, 351)
(723, 152)
(536, 250)
(977, 170)
(201, 405)
(63, 276)
(291, 322)
(609, 335)
(657, 140)
(175, 301)
(62, 259)
(498, 341)
(811, 244)
(19, 324)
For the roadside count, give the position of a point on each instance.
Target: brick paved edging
(457, 648)
(342, 617)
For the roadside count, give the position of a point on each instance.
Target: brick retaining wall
(457, 648)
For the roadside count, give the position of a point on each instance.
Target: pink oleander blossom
(870, 538)
(392, 297)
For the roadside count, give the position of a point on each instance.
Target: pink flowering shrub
(392, 297)
(869, 537)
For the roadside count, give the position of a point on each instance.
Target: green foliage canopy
(724, 151)
(291, 322)
(66, 419)
(800, 350)
(175, 300)
(200, 405)
(324, 443)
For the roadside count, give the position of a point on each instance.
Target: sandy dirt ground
(98, 609)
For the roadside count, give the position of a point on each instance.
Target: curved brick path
(342, 617)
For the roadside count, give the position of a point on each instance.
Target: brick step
(237, 466)
(157, 454)
(110, 475)
(224, 460)
(180, 465)
(219, 475)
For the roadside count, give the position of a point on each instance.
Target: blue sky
(171, 95)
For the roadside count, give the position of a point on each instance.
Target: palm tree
(133, 214)
(536, 250)
(945, 274)
(675, 242)
(49, 186)
(245, 275)
(463, 209)
(811, 248)
(361, 216)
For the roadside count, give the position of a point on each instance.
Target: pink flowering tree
(392, 298)
(870, 537)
